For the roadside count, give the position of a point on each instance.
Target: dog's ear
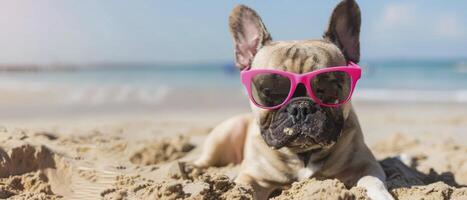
(344, 29)
(249, 35)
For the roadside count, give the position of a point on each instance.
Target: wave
(93, 94)
(160, 95)
(88, 94)
(117, 94)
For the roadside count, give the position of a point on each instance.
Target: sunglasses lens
(270, 90)
(331, 87)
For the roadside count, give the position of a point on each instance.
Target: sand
(150, 159)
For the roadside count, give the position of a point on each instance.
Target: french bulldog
(327, 142)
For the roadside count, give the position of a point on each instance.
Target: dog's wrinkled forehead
(298, 56)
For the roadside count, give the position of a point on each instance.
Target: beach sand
(147, 155)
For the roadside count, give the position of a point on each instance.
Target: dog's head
(301, 125)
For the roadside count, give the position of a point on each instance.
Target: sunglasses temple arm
(352, 64)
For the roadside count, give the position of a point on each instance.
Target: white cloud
(449, 26)
(397, 14)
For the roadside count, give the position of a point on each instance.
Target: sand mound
(327, 189)
(182, 181)
(434, 191)
(162, 150)
(25, 158)
(335, 190)
(26, 186)
(23, 171)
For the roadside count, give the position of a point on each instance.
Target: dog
(326, 142)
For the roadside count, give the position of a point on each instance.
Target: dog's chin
(301, 145)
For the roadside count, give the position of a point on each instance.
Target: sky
(90, 31)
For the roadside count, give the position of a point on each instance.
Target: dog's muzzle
(301, 119)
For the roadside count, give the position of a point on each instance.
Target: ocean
(382, 80)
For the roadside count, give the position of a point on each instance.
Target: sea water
(382, 80)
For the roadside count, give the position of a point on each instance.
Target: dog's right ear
(344, 29)
(249, 35)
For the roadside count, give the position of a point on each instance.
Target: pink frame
(352, 69)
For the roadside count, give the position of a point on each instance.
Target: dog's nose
(301, 109)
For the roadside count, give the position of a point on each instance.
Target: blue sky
(89, 31)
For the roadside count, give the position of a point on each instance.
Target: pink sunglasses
(330, 87)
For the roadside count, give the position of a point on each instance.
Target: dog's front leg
(225, 143)
(262, 190)
(375, 187)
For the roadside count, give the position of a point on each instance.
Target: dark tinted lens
(331, 87)
(270, 89)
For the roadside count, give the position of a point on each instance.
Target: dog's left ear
(344, 29)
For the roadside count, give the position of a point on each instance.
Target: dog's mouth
(302, 125)
(286, 130)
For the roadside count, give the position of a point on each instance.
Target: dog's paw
(201, 163)
(375, 188)
(379, 195)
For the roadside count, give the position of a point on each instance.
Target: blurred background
(62, 59)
